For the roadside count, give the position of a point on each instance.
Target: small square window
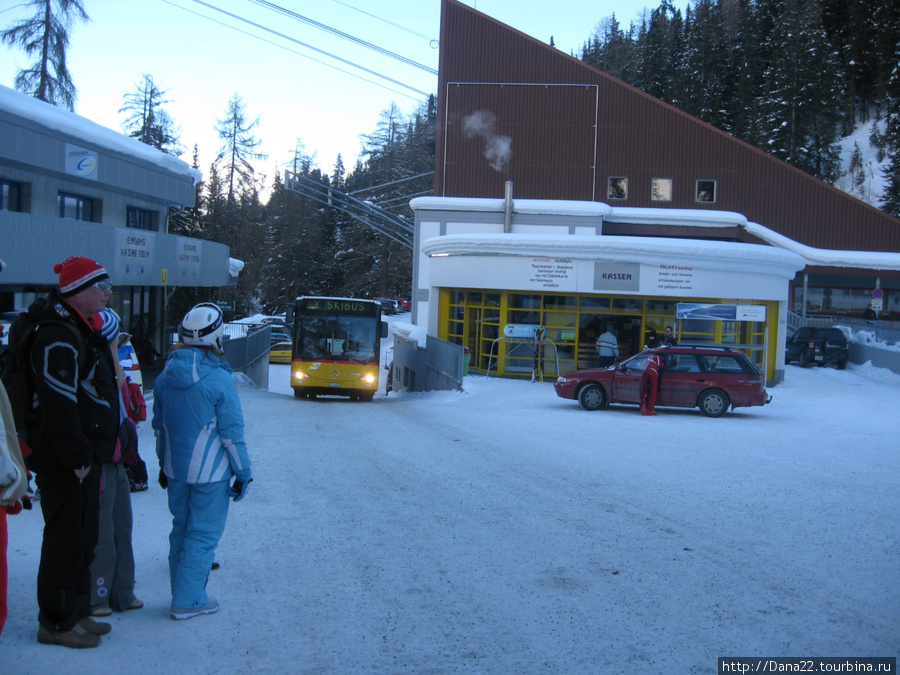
(617, 187)
(706, 191)
(10, 196)
(139, 218)
(661, 190)
(77, 207)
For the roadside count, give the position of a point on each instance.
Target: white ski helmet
(202, 325)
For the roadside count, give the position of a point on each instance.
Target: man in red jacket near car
(650, 384)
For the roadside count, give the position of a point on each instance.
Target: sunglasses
(103, 285)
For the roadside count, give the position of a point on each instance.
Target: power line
(308, 46)
(431, 41)
(288, 49)
(342, 34)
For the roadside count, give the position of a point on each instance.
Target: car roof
(692, 349)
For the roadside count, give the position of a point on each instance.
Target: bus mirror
(384, 329)
(289, 315)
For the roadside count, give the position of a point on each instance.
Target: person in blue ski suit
(199, 426)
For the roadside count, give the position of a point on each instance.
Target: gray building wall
(48, 151)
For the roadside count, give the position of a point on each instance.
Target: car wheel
(842, 364)
(592, 397)
(713, 403)
(804, 360)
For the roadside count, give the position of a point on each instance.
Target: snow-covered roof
(714, 255)
(870, 260)
(58, 119)
(682, 217)
(587, 247)
(531, 206)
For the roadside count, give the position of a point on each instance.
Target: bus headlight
(300, 376)
(369, 378)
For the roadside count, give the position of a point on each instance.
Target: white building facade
(484, 269)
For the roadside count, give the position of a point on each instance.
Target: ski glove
(239, 489)
(163, 480)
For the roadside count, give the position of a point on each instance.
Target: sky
(502, 529)
(280, 65)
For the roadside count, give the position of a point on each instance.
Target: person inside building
(668, 338)
(199, 427)
(652, 339)
(607, 347)
(77, 411)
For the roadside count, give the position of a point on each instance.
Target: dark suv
(712, 378)
(818, 345)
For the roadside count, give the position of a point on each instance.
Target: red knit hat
(77, 273)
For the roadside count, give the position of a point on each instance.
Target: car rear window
(724, 363)
(682, 363)
(830, 334)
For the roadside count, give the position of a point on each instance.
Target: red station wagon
(710, 378)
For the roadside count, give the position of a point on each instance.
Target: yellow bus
(336, 347)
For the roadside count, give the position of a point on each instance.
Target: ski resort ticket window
(475, 319)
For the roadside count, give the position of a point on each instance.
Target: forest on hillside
(792, 77)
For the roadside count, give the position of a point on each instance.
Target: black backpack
(17, 370)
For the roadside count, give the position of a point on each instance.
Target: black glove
(239, 489)
(163, 480)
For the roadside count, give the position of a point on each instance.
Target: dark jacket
(75, 387)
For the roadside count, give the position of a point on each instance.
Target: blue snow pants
(198, 513)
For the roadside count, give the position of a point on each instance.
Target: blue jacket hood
(186, 367)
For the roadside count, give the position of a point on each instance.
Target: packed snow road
(505, 530)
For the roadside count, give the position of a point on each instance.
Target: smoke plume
(497, 148)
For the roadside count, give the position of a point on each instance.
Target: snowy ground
(504, 530)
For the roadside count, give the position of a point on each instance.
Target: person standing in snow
(13, 483)
(112, 571)
(650, 384)
(77, 410)
(199, 427)
(135, 405)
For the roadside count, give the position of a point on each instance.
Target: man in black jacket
(77, 419)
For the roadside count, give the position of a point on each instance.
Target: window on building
(76, 207)
(661, 190)
(10, 196)
(706, 191)
(140, 219)
(617, 188)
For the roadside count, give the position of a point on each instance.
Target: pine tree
(146, 119)
(890, 201)
(660, 66)
(45, 36)
(239, 147)
(800, 104)
(610, 49)
(186, 221)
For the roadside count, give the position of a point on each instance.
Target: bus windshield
(340, 338)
